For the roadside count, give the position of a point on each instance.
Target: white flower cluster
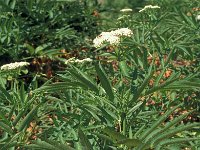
(126, 10)
(73, 60)
(122, 32)
(112, 37)
(148, 7)
(13, 66)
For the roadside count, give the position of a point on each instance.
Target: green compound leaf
(105, 82)
(84, 79)
(28, 119)
(84, 140)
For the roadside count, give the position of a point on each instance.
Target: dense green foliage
(140, 94)
(30, 28)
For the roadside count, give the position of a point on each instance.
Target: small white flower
(114, 90)
(114, 40)
(13, 66)
(149, 7)
(198, 17)
(112, 37)
(126, 10)
(73, 60)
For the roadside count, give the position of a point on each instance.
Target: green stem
(124, 127)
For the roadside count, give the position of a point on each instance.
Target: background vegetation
(141, 94)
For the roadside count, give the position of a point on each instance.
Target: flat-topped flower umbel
(149, 7)
(126, 10)
(74, 60)
(13, 66)
(112, 37)
(122, 32)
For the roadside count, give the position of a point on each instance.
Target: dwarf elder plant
(130, 93)
(111, 96)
